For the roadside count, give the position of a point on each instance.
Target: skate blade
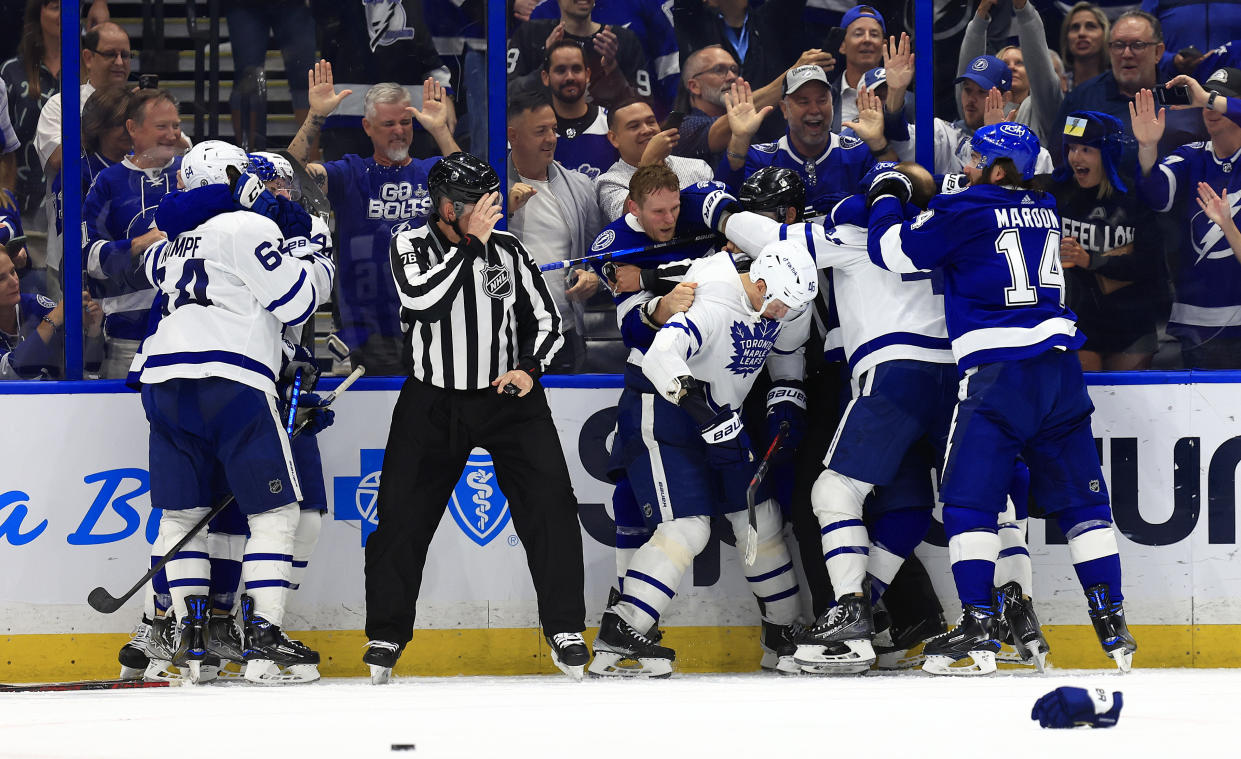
(131, 673)
(974, 663)
(1032, 654)
(194, 672)
(609, 664)
(894, 661)
(1039, 656)
(380, 675)
(267, 672)
(858, 658)
(781, 665)
(161, 670)
(1123, 659)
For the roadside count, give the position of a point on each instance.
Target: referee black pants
(433, 431)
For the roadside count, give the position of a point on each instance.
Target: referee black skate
(480, 326)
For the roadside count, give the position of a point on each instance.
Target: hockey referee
(480, 324)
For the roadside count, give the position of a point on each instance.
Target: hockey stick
(83, 685)
(102, 601)
(679, 242)
(293, 400)
(751, 533)
(316, 202)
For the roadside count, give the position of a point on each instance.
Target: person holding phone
(1206, 308)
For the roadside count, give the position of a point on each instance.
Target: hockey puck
(402, 747)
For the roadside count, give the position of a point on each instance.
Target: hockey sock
(973, 546)
(158, 599)
(304, 541)
(631, 530)
(1014, 563)
(268, 560)
(837, 503)
(657, 567)
(189, 570)
(226, 551)
(1092, 544)
(772, 579)
(894, 536)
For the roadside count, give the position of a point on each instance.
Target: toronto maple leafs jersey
(721, 341)
(999, 251)
(884, 315)
(369, 201)
(828, 177)
(582, 144)
(120, 206)
(1206, 273)
(228, 289)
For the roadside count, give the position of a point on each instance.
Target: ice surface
(905, 715)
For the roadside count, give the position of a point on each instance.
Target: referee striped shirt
(471, 312)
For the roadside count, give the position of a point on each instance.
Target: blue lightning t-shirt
(582, 144)
(999, 249)
(369, 201)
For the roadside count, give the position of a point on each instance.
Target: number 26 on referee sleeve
(1049, 272)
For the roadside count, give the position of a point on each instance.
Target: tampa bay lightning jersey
(884, 316)
(829, 176)
(120, 206)
(1206, 272)
(721, 342)
(369, 200)
(582, 144)
(229, 288)
(999, 249)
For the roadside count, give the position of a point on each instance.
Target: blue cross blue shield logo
(477, 504)
(358, 497)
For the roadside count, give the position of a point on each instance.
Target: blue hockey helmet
(1007, 140)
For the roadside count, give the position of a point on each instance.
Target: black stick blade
(102, 601)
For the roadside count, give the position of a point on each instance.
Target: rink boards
(75, 513)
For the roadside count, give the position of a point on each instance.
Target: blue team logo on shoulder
(848, 142)
(358, 497)
(477, 505)
(45, 301)
(752, 343)
(766, 147)
(605, 238)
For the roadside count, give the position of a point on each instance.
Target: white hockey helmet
(284, 169)
(207, 162)
(789, 272)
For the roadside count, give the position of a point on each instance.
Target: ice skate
(967, 649)
(161, 649)
(1108, 618)
(839, 643)
(192, 639)
(225, 658)
(569, 653)
(381, 656)
(271, 658)
(621, 651)
(779, 648)
(133, 655)
(1020, 629)
(898, 648)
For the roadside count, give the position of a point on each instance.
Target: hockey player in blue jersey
(997, 244)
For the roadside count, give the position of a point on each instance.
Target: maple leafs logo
(751, 345)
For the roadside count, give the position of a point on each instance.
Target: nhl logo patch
(497, 282)
(275, 486)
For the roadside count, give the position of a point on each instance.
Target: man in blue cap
(862, 50)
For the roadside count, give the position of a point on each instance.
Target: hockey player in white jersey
(208, 387)
(685, 450)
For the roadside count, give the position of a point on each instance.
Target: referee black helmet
(774, 189)
(463, 179)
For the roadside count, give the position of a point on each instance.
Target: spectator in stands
(614, 55)
(766, 39)
(370, 197)
(552, 210)
(458, 30)
(105, 140)
(1110, 248)
(1036, 86)
(650, 21)
(581, 126)
(1201, 24)
(8, 155)
(862, 49)
(372, 42)
(1083, 42)
(32, 78)
(1206, 275)
(119, 219)
(105, 57)
(250, 22)
(32, 326)
(632, 129)
(1136, 46)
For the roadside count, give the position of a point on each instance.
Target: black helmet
(462, 178)
(773, 189)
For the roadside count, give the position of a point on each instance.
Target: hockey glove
(707, 202)
(250, 194)
(311, 409)
(1067, 706)
(892, 183)
(727, 443)
(786, 402)
(298, 357)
